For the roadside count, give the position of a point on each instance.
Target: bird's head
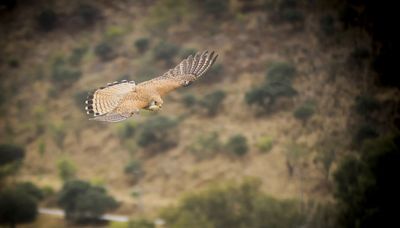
(155, 105)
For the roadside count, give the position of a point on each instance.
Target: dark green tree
(11, 157)
(83, 202)
(10, 153)
(30, 189)
(366, 188)
(17, 206)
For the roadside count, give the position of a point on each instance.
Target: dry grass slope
(247, 45)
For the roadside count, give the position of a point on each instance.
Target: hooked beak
(154, 107)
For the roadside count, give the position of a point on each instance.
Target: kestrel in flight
(121, 100)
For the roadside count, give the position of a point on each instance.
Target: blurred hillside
(289, 96)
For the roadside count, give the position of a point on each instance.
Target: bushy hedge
(205, 145)
(278, 83)
(83, 202)
(157, 134)
(305, 111)
(265, 144)
(142, 44)
(17, 206)
(212, 102)
(134, 169)
(233, 205)
(104, 51)
(237, 145)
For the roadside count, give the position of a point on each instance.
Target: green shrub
(265, 96)
(104, 51)
(62, 75)
(66, 169)
(280, 72)
(366, 104)
(237, 145)
(277, 84)
(77, 55)
(166, 51)
(142, 44)
(88, 14)
(212, 102)
(265, 144)
(157, 134)
(305, 111)
(189, 100)
(83, 202)
(134, 169)
(10, 153)
(11, 157)
(113, 32)
(16, 207)
(47, 191)
(30, 189)
(47, 20)
(233, 205)
(205, 146)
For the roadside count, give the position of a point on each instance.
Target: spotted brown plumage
(121, 100)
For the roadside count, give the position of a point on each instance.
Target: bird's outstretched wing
(184, 73)
(105, 100)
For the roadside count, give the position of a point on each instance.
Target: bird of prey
(119, 101)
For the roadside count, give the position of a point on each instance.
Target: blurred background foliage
(295, 125)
